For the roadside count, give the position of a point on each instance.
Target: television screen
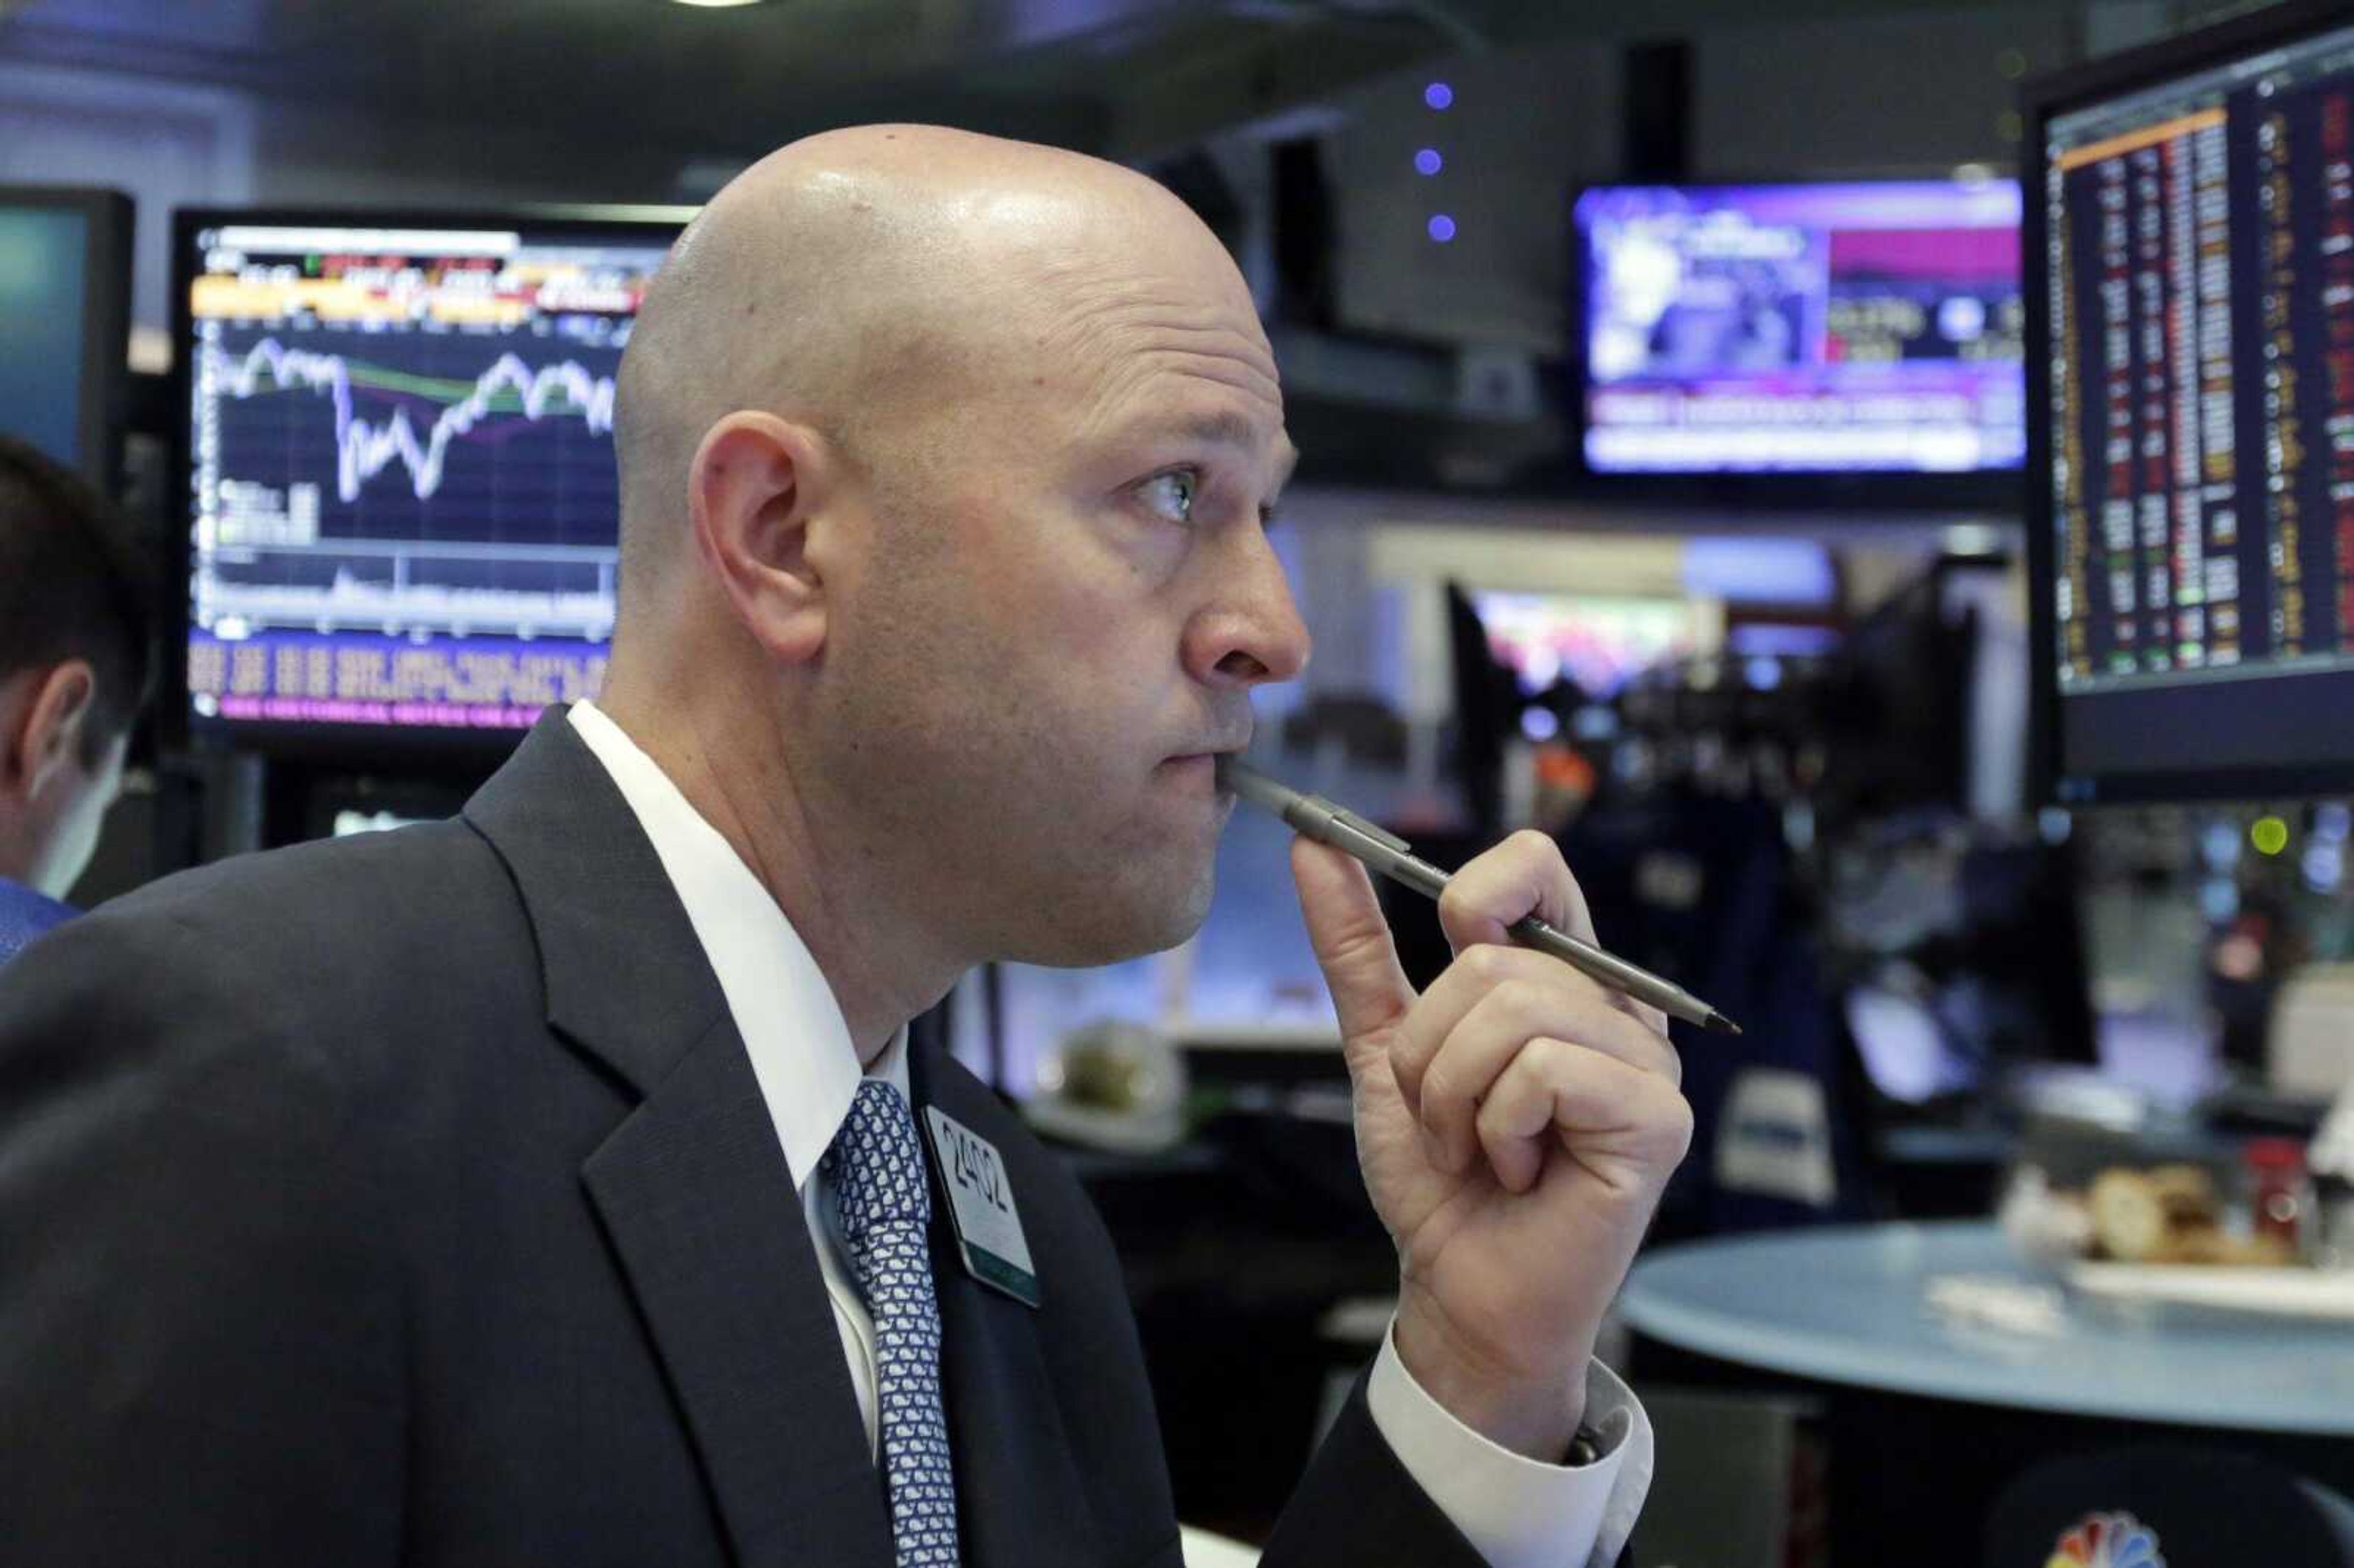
(403, 510)
(1596, 642)
(1859, 328)
(65, 291)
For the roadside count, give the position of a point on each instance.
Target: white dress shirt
(1518, 1513)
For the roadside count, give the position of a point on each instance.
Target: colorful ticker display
(2199, 239)
(2203, 311)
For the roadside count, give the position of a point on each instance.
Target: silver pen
(1314, 817)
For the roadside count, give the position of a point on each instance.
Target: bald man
(557, 1185)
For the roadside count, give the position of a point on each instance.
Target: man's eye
(1172, 495)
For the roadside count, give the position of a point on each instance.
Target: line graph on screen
(409, 483)
(510, 386)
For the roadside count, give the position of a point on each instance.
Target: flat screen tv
(401, 521)
(1802, 333)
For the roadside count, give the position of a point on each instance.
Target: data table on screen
(2199, 267)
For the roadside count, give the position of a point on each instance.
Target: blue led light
(1438, 95)
(1429, 162)
(1442, 227)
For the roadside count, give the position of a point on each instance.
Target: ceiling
(716, 79)
(1130, 78)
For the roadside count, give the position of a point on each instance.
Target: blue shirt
(24, 914)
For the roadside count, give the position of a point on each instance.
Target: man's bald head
(947, 468)
(863, 282)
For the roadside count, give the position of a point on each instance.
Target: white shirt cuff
(1518, 1513)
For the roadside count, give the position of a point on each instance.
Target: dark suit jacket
(410, 1199)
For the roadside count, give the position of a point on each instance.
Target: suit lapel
(696, 1197)
(1020, 1503)
(692, 1187)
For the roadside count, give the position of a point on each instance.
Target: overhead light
(715, 4)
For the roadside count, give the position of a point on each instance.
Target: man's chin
(1113, 936)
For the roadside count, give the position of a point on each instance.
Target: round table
(1848, 1306)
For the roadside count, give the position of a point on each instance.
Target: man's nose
(1251, 633)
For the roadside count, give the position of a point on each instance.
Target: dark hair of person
(75, 583)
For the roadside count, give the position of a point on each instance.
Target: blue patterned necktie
(876, 1169)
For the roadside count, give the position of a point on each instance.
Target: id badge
(981, 1201)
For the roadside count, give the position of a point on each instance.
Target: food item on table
(2138, 1214)
(2172, 1215)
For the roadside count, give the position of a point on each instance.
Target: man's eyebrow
(1229, 429)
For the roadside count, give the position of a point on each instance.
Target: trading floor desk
(1930, 1411)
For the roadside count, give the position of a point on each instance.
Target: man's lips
(1213, 749)
(1196, 770)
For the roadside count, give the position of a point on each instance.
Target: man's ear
(45, 736)
(754, 490)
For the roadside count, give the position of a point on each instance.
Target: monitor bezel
(358, 747)
(108, 217)
(1973, 491)
(2040, 99)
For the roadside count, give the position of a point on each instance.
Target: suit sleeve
(1358, 1507)
(199, 1331)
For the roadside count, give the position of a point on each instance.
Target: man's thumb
(1351, 938)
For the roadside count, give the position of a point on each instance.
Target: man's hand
(1515, 1123)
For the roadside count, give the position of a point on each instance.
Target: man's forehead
(1201, 373)
(1131, 337)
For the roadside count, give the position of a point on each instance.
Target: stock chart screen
(405, 510)
(2199, 251)
(1856, 328)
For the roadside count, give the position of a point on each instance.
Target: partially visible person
(76, 625)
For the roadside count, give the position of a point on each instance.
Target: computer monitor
(1596, 642)
(1795, 330)
(2190, 254)
(402, 512)
(65, 312)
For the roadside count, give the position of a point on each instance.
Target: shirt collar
(794, 1031)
